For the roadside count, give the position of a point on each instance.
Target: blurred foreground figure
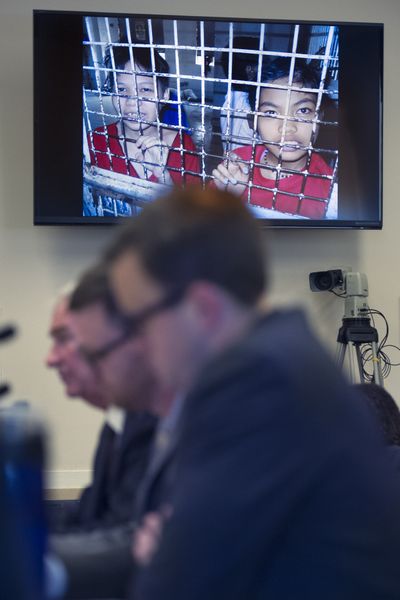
(281, 487)
(124, 441)
(384, 407)
(94, 538)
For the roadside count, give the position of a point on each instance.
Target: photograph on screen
(247, 106)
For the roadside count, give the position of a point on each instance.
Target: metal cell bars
(243, 53)
(98, 70)
(113, 77)
(282, 168)
(151, 159)
(115, 143)
(96, 200)
(202, 102)
(206, 86)
(99, 39)
(179, 99)
(136, 71)
(164, 150)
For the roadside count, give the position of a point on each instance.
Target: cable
(366, 350)
(342, 295)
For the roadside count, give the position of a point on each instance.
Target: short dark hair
(385, 409)
(240, 60)
(143, 61)
(196, 234)
(304, 73)
(93, 288)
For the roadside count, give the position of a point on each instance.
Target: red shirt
(316, 187)
(106, 142)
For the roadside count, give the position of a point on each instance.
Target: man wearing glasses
(114, 348)
(63, 356)
(111, 371)
(281, 484)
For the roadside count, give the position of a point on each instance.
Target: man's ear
(207, 302)
(167, 94)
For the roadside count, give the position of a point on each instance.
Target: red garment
(107, 141)
(316, 187)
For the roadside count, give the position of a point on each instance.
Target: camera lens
(324, 281)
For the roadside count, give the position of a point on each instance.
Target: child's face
(297, 135)
(132, 104)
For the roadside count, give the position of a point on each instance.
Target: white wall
(37, 261)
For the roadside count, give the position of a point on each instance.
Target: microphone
(4, 388)
(7, 332)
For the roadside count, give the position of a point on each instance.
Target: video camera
(347, 282)
(356, 328)
(353, 286)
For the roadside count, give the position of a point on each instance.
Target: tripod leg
(359, 363)
(342, 348)
(351, 365)
(340, 354)
(378, 377)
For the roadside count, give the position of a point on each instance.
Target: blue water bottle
(22, 514)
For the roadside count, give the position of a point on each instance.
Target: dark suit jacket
(119, 465)
(94, 542)
(156, 485)
(283, 489)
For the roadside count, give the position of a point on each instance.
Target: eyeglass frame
(132, 324)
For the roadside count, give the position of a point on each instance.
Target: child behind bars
(284, 166)
(139, 143)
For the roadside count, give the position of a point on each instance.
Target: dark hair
(385, 408)
(240, 60)
(196, 234)
(304, 73)
(143, 63)
(93, 288)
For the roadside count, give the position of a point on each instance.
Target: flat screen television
(288, 114)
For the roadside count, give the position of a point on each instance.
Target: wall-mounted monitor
(287, 114)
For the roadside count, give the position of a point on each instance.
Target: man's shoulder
(278, 329)
(266, 353)
(279, 320)
(276, 366)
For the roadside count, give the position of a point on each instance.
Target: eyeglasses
(132, 324)
(93, 356)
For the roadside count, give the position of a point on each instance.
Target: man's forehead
(60, 320)
(132, 286)
(88, 318)
(91, 324)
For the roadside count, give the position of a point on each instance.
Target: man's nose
(53, 357)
